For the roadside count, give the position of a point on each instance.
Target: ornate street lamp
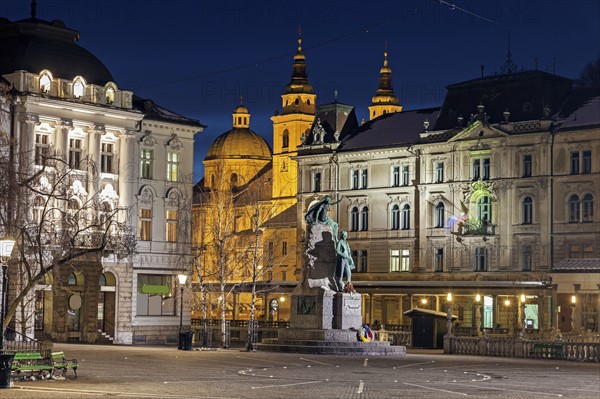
(184, 338)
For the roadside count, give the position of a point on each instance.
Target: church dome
(34, 45)
(239, 143)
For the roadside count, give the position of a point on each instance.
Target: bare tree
(56, 215)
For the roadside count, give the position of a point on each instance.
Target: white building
(62, 98)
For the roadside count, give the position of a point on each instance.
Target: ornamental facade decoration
(108, 193)
(174, 143)
(147, 139)
(77, 190)
(146, 196)
(318, 133)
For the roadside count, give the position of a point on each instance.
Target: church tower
(384, 101)
(296, 118)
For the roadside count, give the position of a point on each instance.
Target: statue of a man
(317, 214)
(345, 263)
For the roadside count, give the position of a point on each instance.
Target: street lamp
(184, 339)
(6, 246)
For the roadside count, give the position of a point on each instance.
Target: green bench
(547, 351)
(27, 364)
(63, 365)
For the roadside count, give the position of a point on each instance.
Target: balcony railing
(477, 227)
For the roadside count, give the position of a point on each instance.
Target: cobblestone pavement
(165, 372)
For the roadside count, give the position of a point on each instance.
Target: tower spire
(384, 101)
(299, 82)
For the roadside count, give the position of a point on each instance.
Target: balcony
(477, 227)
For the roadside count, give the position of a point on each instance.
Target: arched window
(234, 180)
(395, 215)
(574, 208)
(406, 217)
(72, 279)
(439, 214)
(285, 139)
(587, 205)
(78, 89)
(364, 219)
(110, 95)
(308, 102)
(45, 83)
(354, 219)
(484, 209)
(527, 210)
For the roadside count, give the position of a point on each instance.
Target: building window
(574, 209)
(439, 214)
(75, 154)
(145, 225)
(395, 218)
(527, 210)
(171, 226)
(439, 172)
(362, 261)
(45, 83)
(106, 157)
(587, 208)
(155, 295)
(42, 148)
(406, 217)
(575, 163)
(394, 260)
(364, 219)
(481, 259)
(405, 176)
(172, 166)
(78, 89)
(316, 182)
(284, 248)
(581, 251)
(527, 165)
(438, 260)
(354, 178)
(271, 250)
(38, 209)
(110, 95)
(285, 139)
(526, 258)
(405, 261)
(586, 166)
(146, 163)
(484, 209)
(354, 219)
(363, 178)
(105, 214)
(396, 176)
(481, 169)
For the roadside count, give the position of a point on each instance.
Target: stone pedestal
(347, 310)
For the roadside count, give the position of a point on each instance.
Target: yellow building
(245, 179)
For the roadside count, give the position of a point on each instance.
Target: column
(94, 134)
(127, 170)
(61, 137)
(371, 298)
(27, 141)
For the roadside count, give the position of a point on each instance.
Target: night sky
(198, 57)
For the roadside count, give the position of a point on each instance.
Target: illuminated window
(155, 295)
(107, 157)
(173, 166)
(171, 226)
(146, 163)
(45, 83)
(78, 89)
(581, 251)
(110, 95)
(394, 260)
(405, 261)
(145, 224)
(484, 209)
(75, 153)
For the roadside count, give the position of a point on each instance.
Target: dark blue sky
(198, 57)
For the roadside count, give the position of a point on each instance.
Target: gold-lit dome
(239, 142)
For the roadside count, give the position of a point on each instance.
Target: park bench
(61, 364)
(547, 351)
(27, 364)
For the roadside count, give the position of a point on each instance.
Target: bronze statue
(345, 263)
(317, 214)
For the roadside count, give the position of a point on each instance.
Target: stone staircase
(104, 338)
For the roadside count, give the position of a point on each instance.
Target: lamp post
(184, 338)
(6, 246)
